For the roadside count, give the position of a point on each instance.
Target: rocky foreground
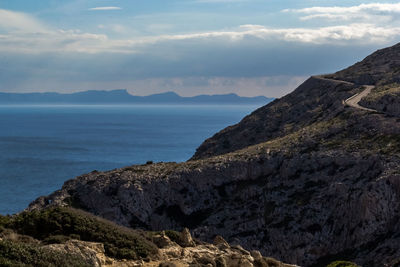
(69, 237)
(171, 254)
(306, 179)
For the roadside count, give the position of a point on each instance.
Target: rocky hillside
(305, 179)
(380, 68)
(385, 98)
(314, 100)
(329, 191)
(69, 237)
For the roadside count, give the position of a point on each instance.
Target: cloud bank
(246, 59)
(380, 11)
(23, 33)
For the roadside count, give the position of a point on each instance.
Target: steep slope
(379, 68)
(313, 101)
(385, 98)
(321, 182)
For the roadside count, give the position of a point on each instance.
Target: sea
(42, 146)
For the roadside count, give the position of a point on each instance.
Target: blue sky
(248, 47)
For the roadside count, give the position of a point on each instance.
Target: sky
(192, 47)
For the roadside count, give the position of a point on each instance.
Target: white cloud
(23, 33)
(12, 21)
(382, 11)
(377, 7)
(248, 59)
(323, 35)
(76, 41)
(105, 8)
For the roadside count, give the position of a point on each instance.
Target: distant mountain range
(123, 97)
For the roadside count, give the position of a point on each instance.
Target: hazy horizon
(130, 93)
(191, 47)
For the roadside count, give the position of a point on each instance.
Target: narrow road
(355, 99)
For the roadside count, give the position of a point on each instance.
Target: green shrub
(21, 254)
(4, 220)
(2, 229)
(60, 224)
(56, 239)
(174, 236)
(342, 264)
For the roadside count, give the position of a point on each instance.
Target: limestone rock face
(93, 252)
(186, 238)
(220, 242)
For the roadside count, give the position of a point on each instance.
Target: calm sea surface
(43, 146)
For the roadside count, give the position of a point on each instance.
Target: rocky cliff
(305, 179)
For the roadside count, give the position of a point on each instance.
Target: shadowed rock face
(304, 179)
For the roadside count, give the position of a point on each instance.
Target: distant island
(123, 97)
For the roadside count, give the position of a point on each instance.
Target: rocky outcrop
(93, 253)
(218, 254)
(170, 254)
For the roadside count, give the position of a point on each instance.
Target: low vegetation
(57, 225)
(15, 253)
(342, 264)
(390, 89)
(384, 99)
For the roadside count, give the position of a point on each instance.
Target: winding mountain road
(355, 99)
